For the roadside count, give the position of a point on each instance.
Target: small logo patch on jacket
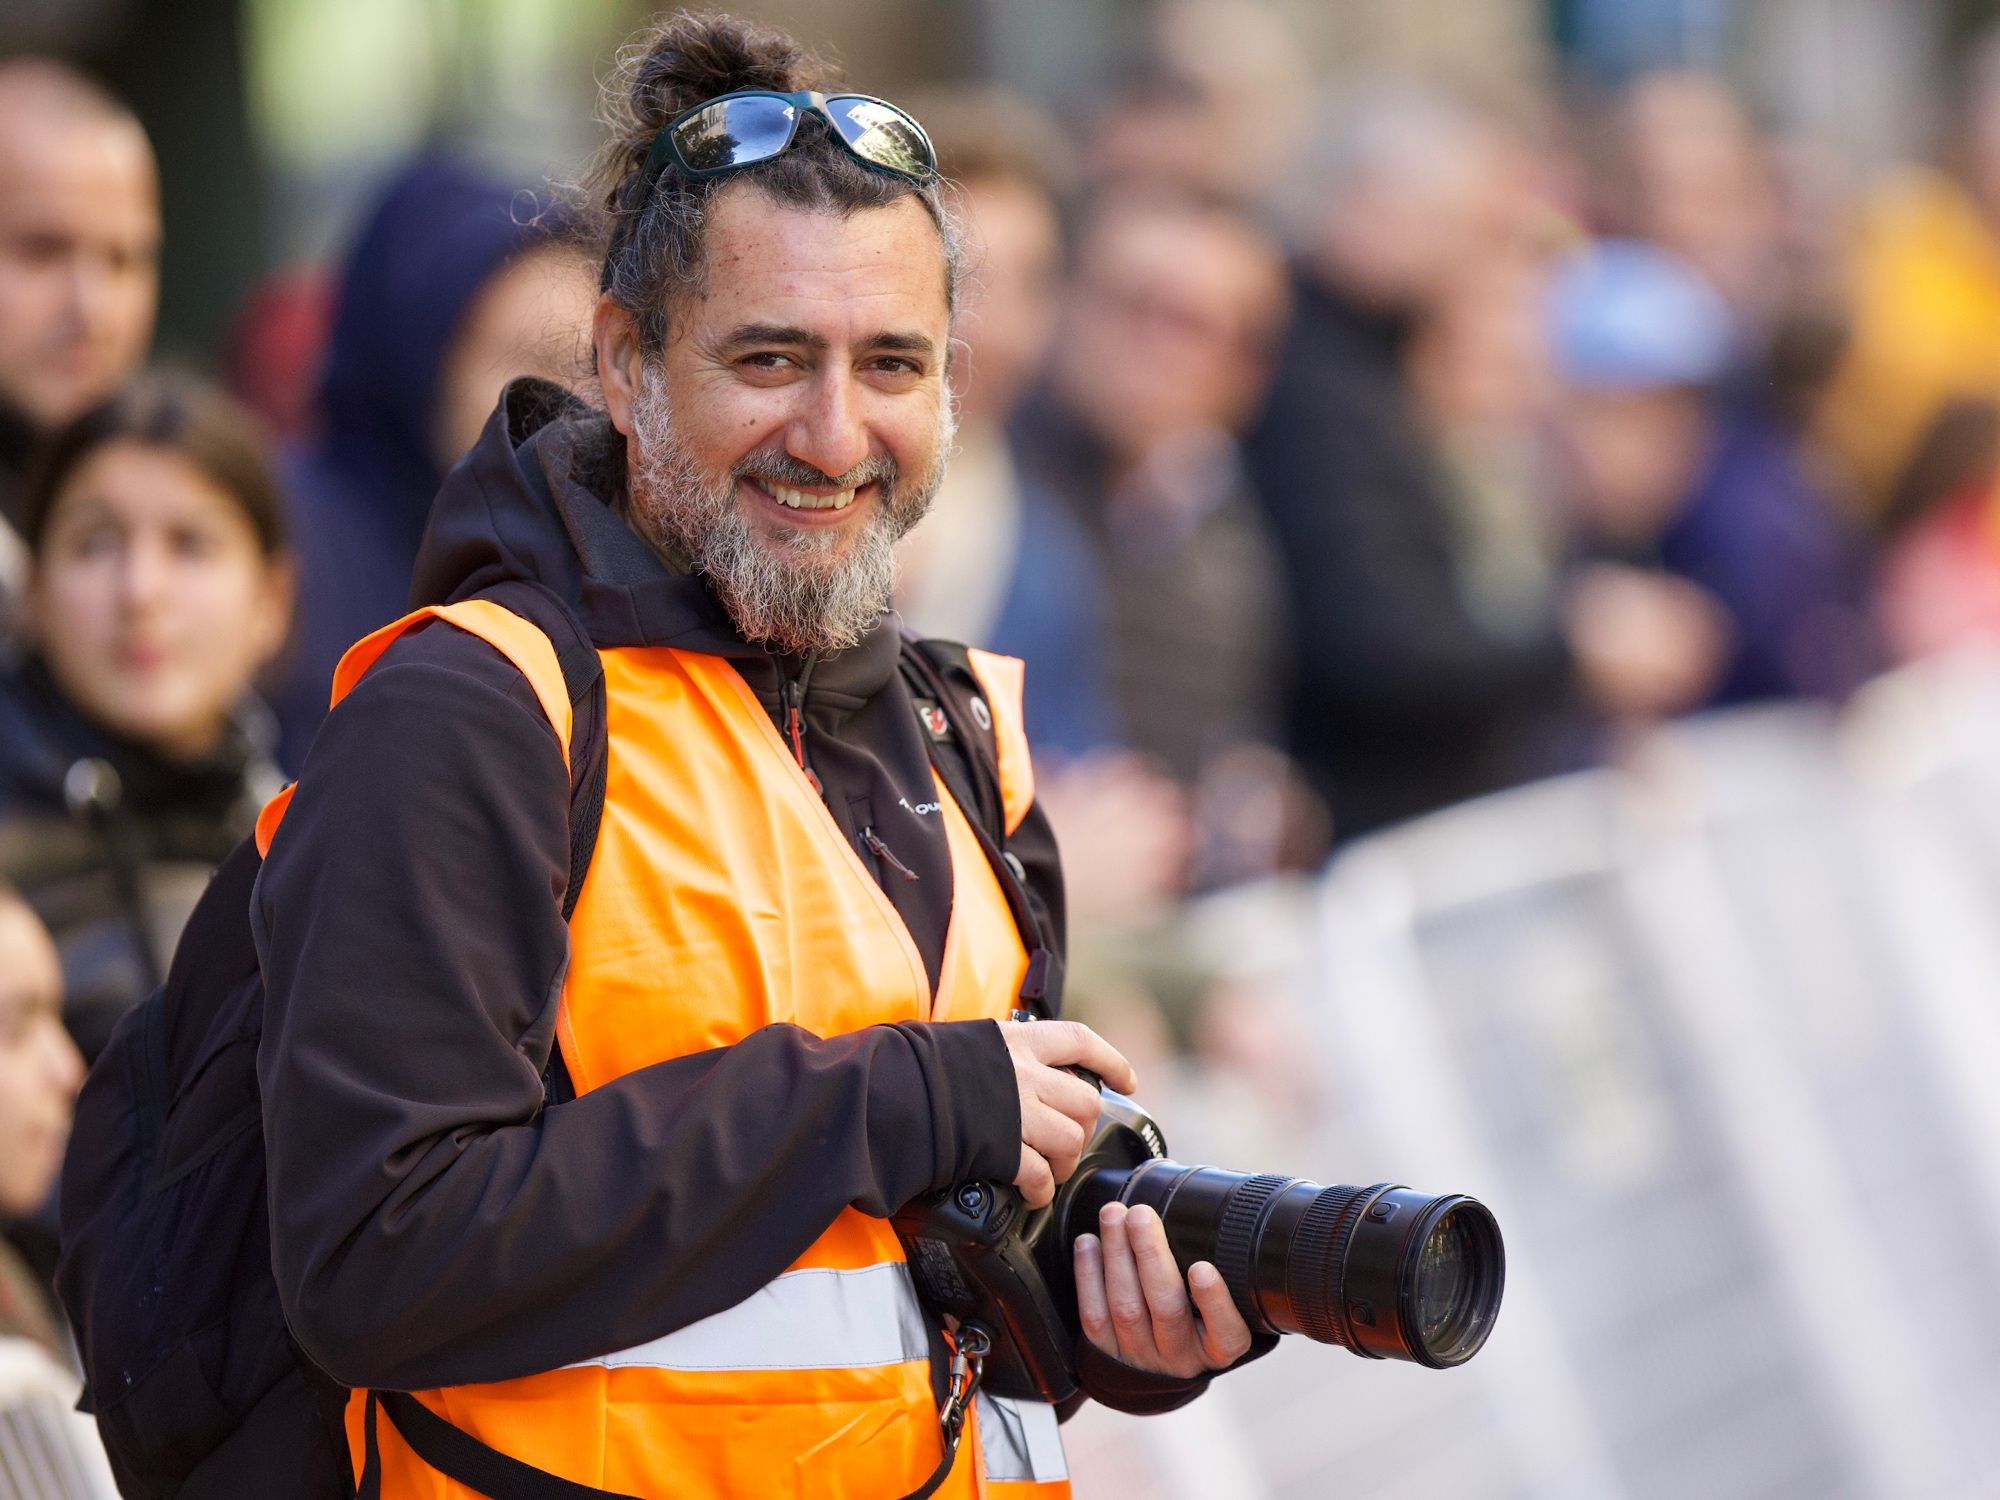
(933, 719)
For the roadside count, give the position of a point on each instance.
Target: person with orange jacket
(780, 1008)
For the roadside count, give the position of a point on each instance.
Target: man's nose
(829, 433)
(92, 290)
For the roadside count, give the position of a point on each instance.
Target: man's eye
(767, 359)
(895, 364)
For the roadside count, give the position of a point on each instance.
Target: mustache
(782, 468)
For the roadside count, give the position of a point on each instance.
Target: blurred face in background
(40, 1070)
(1171, 323)
(152, 598)
(1012, 294)
(1415, 188)
(1701, 182)
(1637, 454)
(1481, 362)
(1222, 108)
(79, 250)
(532, 317)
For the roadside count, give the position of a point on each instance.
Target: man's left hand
(1134, 1307)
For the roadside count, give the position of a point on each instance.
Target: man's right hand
(1058, 1109)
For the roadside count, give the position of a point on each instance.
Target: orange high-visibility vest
(722, 897)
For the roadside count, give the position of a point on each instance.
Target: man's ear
(619, 360)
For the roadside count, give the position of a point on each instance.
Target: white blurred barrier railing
(1717, 1037)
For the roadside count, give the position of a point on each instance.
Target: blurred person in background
(1913, 410)
(1011, 569)
(1687, 170)
(455, 285)
(1171, 317)
(271, 357)
(1683, 166)
(1405, 697)
(79, 262)
(1215, 105)
(133, 753)
(47, 1451)
(1665, 474)
(1482, 389)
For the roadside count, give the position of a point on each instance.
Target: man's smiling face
(796, 423)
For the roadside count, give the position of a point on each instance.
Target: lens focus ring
(1236, 1237)
(1318, 1263)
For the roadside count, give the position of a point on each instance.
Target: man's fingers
(1068, 1095)
(1062, 1044)
(1225, 1337)
(1092, 1311)
(1053, 1135)
(1172, 1317)
(1035, 1179)
(1131, 1319)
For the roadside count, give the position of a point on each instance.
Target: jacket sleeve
(432, 1221)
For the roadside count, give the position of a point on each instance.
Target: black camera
(1382, 1271)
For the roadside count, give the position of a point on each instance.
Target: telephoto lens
(1383, 1271)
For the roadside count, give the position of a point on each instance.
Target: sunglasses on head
(739, 130)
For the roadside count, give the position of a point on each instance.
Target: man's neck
(676, 561)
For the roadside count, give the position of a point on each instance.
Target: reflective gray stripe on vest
(1018, 1441)
(804, 1320)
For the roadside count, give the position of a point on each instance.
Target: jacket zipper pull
(795, 730)
(887, 855)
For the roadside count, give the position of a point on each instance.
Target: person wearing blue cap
(1665, 473)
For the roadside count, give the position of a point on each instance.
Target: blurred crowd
(1331, 455)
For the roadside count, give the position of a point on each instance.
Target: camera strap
(968, 1363)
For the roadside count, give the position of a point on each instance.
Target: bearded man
(610, 1194)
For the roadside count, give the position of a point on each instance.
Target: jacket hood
(437, 234)
(534, 501)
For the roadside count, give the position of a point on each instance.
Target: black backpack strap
(589, 758)
(967, 761)
(583, 675)
(458, 1455)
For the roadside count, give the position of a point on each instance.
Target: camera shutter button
(972, 1198)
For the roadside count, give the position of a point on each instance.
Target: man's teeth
(800, 500)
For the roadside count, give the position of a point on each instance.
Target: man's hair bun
(688, 57)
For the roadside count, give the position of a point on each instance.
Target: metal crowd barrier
(1717, 1037)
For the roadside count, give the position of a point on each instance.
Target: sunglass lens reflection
(733, 132)
(883, 135)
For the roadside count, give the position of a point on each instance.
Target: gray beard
(792, 592)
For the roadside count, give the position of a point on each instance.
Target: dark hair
(177, 412)
(654, 240)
